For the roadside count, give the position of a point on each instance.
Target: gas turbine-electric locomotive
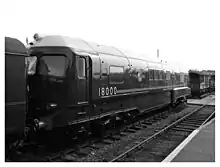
(80, 83)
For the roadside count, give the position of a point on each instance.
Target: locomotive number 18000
(108, 91)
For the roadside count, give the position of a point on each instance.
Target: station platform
(199, 146)
(210, 100)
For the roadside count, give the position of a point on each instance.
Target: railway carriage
(81, 83)
(212, 82)
(201, 82)
(15, 89)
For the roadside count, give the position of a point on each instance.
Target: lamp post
(158, 53)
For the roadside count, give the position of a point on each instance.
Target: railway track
(82, 151)
(91, 149)
(96, 151)
(79, 151)
(156, 147)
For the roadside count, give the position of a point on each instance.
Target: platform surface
(198, 147)
(209, 99)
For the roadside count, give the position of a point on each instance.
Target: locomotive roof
(57, 40)
(84, 46)
(76, 44)
(13, 45)
(91, 47)
(105, 49)
(131, 54)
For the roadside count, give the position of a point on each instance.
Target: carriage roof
(201, 72)
(13, 45)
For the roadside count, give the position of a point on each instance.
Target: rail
(161, 131)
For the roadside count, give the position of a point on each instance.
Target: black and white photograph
(109, 81)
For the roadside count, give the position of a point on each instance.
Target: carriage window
(181, 77)
(167, 75)
(81, 67)
(160, 75)
(156, 74)
(151, 74)
(116, 75)
(201, 78)
(31, 62)
(177, 76)
(52, 65)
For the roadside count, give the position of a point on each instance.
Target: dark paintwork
(212, 83)
(15, 87)
(199, 81)
(81, 99)
(13, 45)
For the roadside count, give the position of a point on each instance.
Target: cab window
(81, 67)
(52, 65)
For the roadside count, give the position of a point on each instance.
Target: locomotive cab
(47, 84)
(59, 83)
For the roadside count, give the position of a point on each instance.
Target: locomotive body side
(180, 88)
(98, 83)
(15, 89)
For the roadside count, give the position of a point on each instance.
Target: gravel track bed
(110, 151)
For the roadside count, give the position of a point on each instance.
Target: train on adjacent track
(201, 82)
(15, 89)
(73, 86)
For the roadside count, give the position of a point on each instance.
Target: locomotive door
(82, 67)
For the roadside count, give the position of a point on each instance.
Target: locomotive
(70, 85)
(78, 85)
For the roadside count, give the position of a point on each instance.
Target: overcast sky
(184, 31)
